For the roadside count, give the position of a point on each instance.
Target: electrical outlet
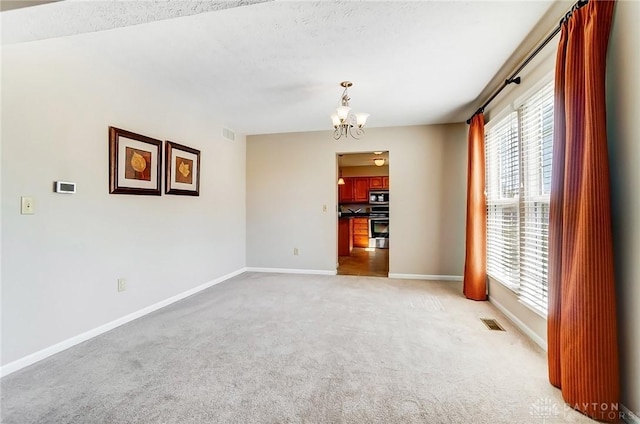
(122, 284)
(26, 206)
(296, 252)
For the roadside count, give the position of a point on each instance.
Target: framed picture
(182, 169)
(134, 163)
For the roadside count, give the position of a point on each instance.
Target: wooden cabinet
(345, 191)
(375, 183)
(361, 189)
(356, 189)
(345, 236)
(360, 232)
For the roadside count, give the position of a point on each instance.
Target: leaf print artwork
(136, 164)
(184, 167)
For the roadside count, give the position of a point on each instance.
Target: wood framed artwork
(182, 169)
(135, 163)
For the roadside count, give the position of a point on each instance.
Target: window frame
(532, 233)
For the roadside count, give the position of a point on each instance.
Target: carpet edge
(425, 277)
(291, 271)
(32, 358)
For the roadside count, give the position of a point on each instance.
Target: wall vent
(228, 134)
(492, 324)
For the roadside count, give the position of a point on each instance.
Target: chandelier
(346, 123)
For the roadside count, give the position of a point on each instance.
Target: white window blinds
(502, 186)
(518, 181)
(536, 133)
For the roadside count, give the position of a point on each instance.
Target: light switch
(26, 206)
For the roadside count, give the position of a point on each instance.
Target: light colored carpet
(273, 348)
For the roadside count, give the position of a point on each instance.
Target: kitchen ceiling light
(377, 153)
(346, 123)
(340, 179)
(379, 161)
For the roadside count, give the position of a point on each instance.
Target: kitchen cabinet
(375, 183)
(356, 189)
(345, 191)
(360, 232)
(361, 189)
(345, 236)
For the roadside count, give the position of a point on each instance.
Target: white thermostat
(65, 187)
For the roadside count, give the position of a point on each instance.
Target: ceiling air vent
(228, 134)
(492, 324)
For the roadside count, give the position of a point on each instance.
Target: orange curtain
(582, 339)
(475, 263)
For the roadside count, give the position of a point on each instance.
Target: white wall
(291, 176)
(60, 266)
(623, 128)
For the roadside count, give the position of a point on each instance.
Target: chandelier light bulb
(343, 112)
(361, 119)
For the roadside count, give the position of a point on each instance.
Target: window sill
(510, 287)
(514, 290)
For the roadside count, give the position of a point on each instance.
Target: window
(518, 181)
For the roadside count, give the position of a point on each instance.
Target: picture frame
(135, 163)
(182, 169)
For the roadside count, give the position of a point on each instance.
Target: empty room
(262, 211)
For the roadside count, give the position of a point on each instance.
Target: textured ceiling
(81, 16)
(268, 67)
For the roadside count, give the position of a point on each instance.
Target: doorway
(363, 213)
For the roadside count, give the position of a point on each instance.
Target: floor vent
(228, 134)
(492, 324)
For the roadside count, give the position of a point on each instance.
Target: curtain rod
(516, 80)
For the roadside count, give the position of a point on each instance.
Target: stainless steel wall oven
(379, 227)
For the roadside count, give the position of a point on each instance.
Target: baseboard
(426, 277)
(291, 271)
(518, 323)
(629, 417)
(66, 344)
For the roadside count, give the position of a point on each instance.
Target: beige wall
(623, 127)
(290, 177)
(60, 266)
(365, 171)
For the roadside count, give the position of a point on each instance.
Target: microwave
(379, 197)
